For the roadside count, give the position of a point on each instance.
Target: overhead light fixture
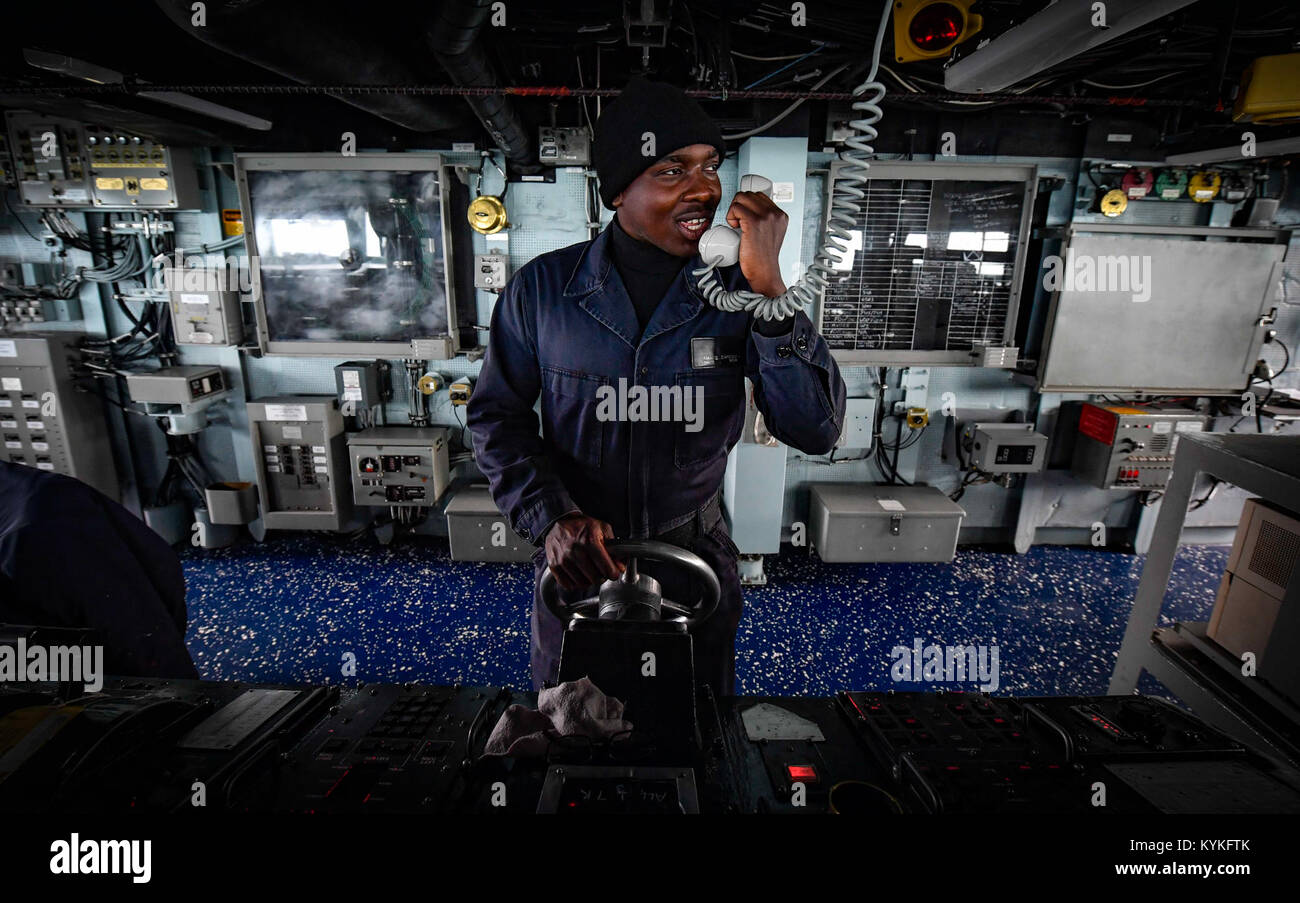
(207, 108)
(100, 75)
(71, 67)
(1055, 34)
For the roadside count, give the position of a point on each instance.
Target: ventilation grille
(1276, 551)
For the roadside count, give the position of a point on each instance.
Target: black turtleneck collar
(641, 256)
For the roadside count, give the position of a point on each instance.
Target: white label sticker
(12, 444)
(6, 403)
(273, 468)
(783, 192)
(463, 147)
(351, 393)
(192, 298)
(891, 504)
(44, 465)
(8, 348)
(75, 196)
(36, 424)
(352, 379)
(293, 432)
(318, 449)
(31, 403)
(11, 383)
(40, 446)
(9, 424)
(1170, 194)
(1118, 138)
(286, 412)
(1162, 426)
(320, 469)
(268, 448)
(318, 459)
(1188, 426)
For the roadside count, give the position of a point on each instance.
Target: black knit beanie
(674, 119)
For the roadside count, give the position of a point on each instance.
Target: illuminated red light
(936, 26)
(801, 772)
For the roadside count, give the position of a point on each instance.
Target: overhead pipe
(454, 39)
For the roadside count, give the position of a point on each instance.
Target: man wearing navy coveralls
(625, 306)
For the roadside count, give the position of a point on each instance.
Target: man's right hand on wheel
(576, 554)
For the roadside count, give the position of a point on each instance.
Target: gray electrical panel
(862, 522)
(478, 531)
(563, 146)
(859, 423)
(206, 316)
(491, 271)
(1006, 447)
(300, 452)
(1119, 447)
(175, 385)
(45, 422)
(62, 163)
(1161, 310)
(398, 466)
(362, 390)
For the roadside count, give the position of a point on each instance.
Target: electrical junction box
(491, 271)
(399, 466)
(863, 522)
(563, 146)
(361, 383)
(1006, 448)
(45, 421)
(207, 317)
(859, 423)
(478, 531)
(1119, 447)
(175, 385)
(299, 450)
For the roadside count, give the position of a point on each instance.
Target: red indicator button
(803, 773)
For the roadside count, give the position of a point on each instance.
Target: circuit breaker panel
(46, 423)
(299, 449)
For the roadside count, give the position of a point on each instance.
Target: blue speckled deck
(288, 610)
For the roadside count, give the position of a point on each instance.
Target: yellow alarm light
(929, 29)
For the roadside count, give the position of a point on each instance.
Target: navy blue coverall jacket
(563, 327)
